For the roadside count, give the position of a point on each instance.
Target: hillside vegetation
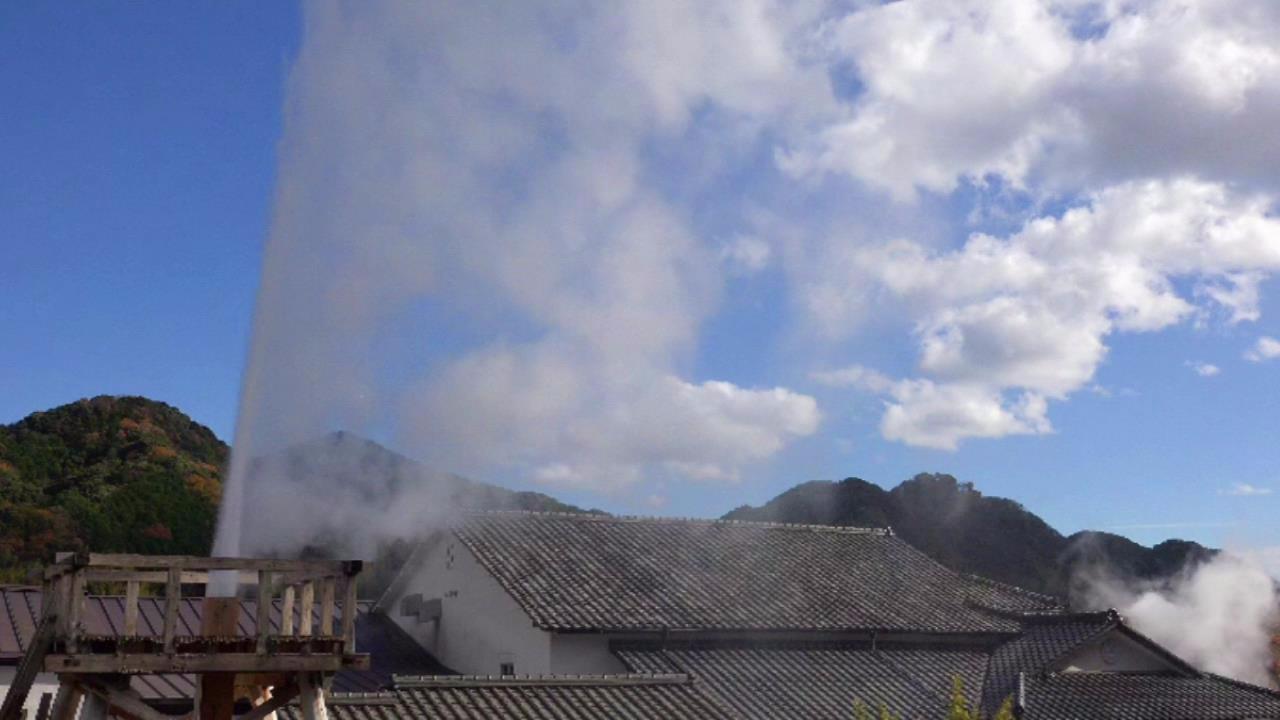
(116, 474)
(128, 474)
(970, 532)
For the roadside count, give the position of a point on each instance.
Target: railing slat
(286, 611)
(264, 610)
(326, 606)
(131, 608)
(308, 605)
(172, 596)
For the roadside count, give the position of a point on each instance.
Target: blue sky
(561, 259)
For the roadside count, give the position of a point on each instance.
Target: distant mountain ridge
(129, 474)
(967, 531)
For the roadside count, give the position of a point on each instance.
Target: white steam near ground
(501, 230)
(1221, 616)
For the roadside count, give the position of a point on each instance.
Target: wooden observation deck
(293, 629)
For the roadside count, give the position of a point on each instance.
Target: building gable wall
(480, 627)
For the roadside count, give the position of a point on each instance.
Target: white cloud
(746, 254)
(1266, 348)
(1005, 324)
(957, 89)
(1204, 369)
(1247, 490)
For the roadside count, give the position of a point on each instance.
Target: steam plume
(1220, 616)
(468, 255)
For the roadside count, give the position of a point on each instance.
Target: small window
(507, 668)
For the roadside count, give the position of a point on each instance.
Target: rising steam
(1220, 616)
(469, 256)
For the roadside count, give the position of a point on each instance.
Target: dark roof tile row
(817, 680)
(588, 572)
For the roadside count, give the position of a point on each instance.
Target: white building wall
(481, 626)
(45, 683)
(583, 654)
(1114, 652)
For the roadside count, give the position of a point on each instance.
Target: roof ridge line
(400, 682)
(1015, 588)
(591, 517)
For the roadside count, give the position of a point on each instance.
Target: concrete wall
(45, 683)
(481, 626)
(1114, 652)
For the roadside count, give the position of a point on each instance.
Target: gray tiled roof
(1010, 599)
(553, 698)
(817, 680)
(1106, 696)
(588, 572)
(1043, 640)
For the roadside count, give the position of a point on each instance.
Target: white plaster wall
(481, 626)
(45, 683)
(583, 654)
(1123, 654)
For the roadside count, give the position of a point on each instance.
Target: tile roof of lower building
(1042, 641)
(590, 572)
(1110, 696)
(554, 697)
(818, 680)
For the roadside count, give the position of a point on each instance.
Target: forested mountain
(970, 532)
(128, 474)
(121, 474)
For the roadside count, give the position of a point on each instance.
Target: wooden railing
(319, 593)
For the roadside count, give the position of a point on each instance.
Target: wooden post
(264, 610)
(172, 596)
(349, 615)
(131, 608)
(66, 703)
(326, 607)
(95, 708)
(312, 700)
(75, 607)
(219, 618)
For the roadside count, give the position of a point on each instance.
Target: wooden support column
(95, 708)
(66, 702)
(220, 618)
(312, 700)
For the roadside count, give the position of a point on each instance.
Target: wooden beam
(30, 666)
(172, 596)
(279, 698)
(189, 562)
(131, 608)
(126, 700)
(202, 663)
